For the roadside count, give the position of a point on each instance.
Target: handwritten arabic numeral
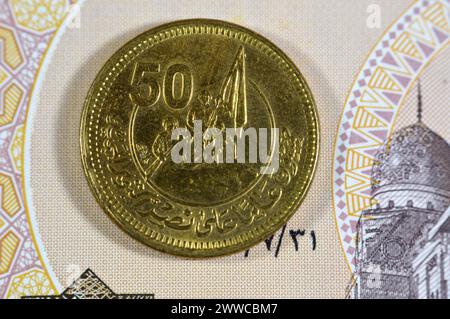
(178, 86)
(146, 90)
(295, 234)
(280, 240)
(314, 239)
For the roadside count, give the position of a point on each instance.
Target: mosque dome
(414, 161)
(414, 155)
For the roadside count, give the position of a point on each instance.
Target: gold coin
(199, 138)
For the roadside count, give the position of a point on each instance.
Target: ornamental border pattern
(27, 29)
(376, 97)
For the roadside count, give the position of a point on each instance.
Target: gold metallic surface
(167, 77)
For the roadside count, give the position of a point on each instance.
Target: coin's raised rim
(190, 249)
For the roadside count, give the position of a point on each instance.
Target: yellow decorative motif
(39, 15)
(16, 148)
(407, 46)
(417, 27)
(11, 51)
(365, 119)
(382, 80)
(373, 99)
(31, 283)
(357, 160)
(3, 76)
(9, 244)
(421, 31)
(11, 101)
(357, 203)
(368, 98)
(436, 15)
(352, 182)
(9, 200)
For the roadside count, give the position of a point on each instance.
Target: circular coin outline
(125, 220)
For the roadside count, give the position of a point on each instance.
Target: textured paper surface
(328, 40)
(365, 82)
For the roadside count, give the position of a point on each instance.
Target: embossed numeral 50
(177, 85)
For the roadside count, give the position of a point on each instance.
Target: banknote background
(435, 94)
(328, 40)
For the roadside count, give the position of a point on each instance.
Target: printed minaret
(234, 90)
(419, 102)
